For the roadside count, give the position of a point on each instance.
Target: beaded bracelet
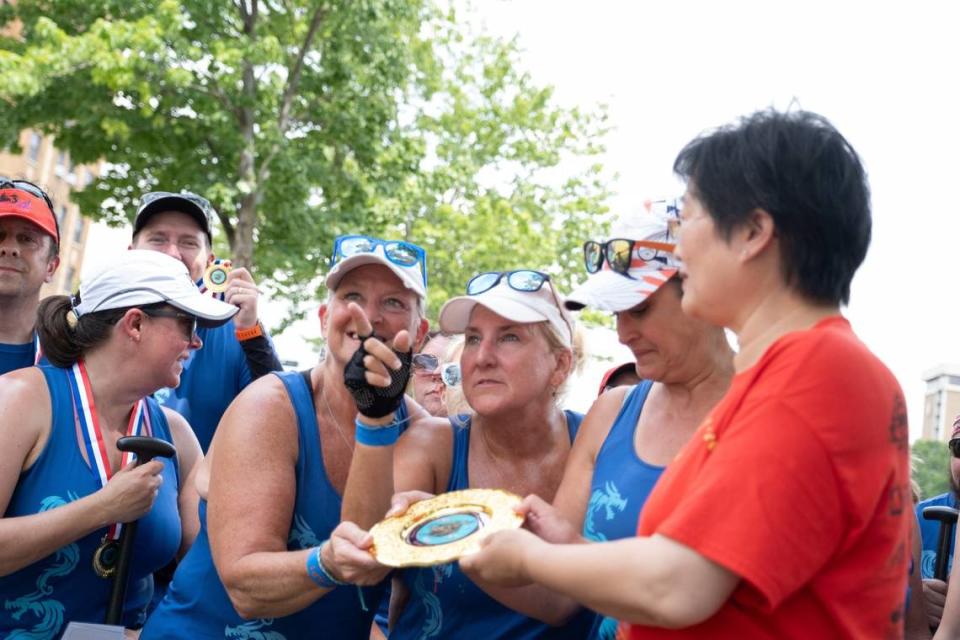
(320, 575)
(376, 436)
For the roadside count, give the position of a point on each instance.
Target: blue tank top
(212, 377)
(18, 356)
(196, 599)
(620, 485)
(38, 600)
(445, 603)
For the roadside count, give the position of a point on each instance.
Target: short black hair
(797, 167)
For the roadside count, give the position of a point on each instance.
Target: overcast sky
(887, 76)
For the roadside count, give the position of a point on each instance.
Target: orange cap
(25, 205)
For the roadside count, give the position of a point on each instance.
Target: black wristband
(373, 401)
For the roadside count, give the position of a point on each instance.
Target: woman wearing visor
(272, 481)
(516, 358)
(64, 486)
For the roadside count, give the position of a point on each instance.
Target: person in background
(29, 257)
(622, 375)
(65, 487)
(428, 386)
(935, 591)
(234, 354)
(787, 514)
(263, 564)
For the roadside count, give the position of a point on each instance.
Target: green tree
(931, 467)
(304, 119)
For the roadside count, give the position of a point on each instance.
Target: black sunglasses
(954, 445)
(187, 322)
(619, 252)
(32, 189)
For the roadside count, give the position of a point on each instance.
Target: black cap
(195, 206)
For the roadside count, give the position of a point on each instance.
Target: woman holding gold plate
(517, 355)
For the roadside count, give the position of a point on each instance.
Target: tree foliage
(302, 119)
(931, 467)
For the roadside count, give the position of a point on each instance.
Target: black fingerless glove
(372, 401)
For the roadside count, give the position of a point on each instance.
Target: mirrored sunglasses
(425, 363)
(619, 253)
(399, 252)
(450, 374)
(525, 280)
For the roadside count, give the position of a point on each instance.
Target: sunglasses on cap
(954, 445)
(619, 253)
(200, 201)
(32, 189)
(186, 321)
(399, 252)
(525, 280)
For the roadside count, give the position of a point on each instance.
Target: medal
(105, 557)
(215, 277)
(444, 527)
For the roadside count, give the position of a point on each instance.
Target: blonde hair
(557, 344)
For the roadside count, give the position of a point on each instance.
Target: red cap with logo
(23, 204)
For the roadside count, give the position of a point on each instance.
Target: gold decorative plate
(444, 528)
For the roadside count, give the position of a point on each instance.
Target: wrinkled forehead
(437, 346)
(373, 275)
(15, 223)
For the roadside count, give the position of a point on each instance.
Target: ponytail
(64, 338)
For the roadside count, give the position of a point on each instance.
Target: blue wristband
(376, 436)
(319, 573)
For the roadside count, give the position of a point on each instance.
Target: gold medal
(215, 277)
(444, 527)
(105, 558)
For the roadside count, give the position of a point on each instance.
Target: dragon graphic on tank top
(610, 502)
(39, 604)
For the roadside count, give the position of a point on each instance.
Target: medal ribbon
(37, 350)
(92, 434)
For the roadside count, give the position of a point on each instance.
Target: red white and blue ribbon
(37, 349)
(86, 412)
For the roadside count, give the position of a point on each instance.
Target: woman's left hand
(347, 556)
(502, 558)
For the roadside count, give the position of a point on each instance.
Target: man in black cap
(179, 224)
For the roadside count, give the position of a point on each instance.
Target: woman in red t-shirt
(787, 515)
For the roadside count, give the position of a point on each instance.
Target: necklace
(334, 420)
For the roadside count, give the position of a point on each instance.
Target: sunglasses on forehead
(399, 252)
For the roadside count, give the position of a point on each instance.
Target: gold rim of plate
(496, 508)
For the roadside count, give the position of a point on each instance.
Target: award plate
(215, 277)
(444, 528)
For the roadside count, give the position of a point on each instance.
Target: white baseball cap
(524, 307)
(405, 259)
(142, 277)
(651, 264)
